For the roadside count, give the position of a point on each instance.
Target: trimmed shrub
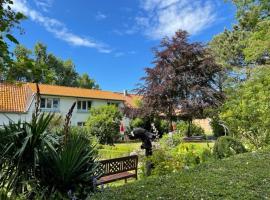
(226, 146)
(195, 130)
(218, 130)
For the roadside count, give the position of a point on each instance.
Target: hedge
(244, 176)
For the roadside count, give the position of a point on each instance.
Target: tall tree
(8, 20)
(184, 80)
(251, 12)
(85, 81)
(44, 67)
(246, 45)
(69, 74)
(21, 68)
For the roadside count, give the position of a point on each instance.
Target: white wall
(65, 104)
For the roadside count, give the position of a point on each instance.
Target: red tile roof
(14, 97)
(76, 92)
(17, 97)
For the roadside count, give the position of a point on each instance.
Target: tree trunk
(170, 119)
(189, 127)
(170, 123)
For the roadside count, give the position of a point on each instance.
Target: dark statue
(146, 138)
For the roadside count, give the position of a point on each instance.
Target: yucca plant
(38, 164)
(71, 168)
(20, 146)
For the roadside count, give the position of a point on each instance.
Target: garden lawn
(118, 150)
(245, 176)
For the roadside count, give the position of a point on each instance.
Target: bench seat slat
(116, 169)
(115, 177)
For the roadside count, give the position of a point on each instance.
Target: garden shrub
(170, 140)
(195, 130)
(218, 130)
(136, 123)
(104, 123)
(226, 146)
(167, 159)
(164, 126)
(56, 124)
(192, 154)
(164, 162)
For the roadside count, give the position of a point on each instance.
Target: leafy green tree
(246, 111)
(69, 74)
(258, 44)
(195, 130)
(21, 68)
(246, 46)
(84, 81)
(104, 123)
(8, 20)
(43, 67)
(227, 48)
(251, 12)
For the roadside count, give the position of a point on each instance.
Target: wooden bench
(117, 169)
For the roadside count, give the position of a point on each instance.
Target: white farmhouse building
(17, 101)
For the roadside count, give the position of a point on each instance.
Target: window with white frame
(81, 124)
(49, 104)
(83, 105)
(113, 103)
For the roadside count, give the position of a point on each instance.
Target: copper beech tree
(183, 82)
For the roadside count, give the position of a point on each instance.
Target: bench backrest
(117, 165)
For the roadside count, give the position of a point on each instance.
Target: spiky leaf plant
(20, 146)
(71, 168)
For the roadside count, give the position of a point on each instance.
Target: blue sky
(111, 40)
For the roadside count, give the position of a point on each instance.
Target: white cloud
(57, 28)
(164, 17)
(100, 16)
(44, 5)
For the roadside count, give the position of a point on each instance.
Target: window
(81, 124)
(43, 103)
(89, 103)
(113, 103)
(49, 103)
(83, 106)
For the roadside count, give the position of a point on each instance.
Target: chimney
(125, 93)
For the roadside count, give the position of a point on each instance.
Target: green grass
(124, 149)
(118, 150)
(245, 176)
